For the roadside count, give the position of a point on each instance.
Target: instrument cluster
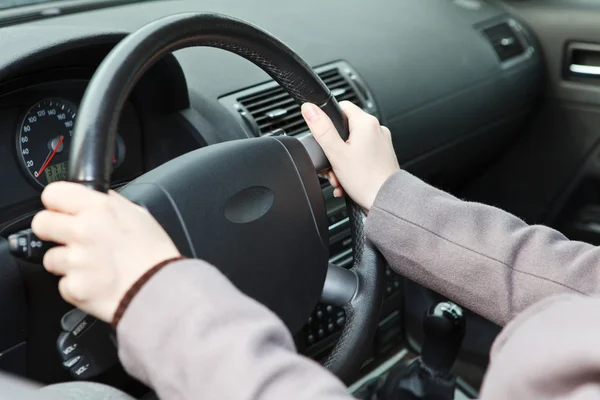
(36, 128)
(44, 140)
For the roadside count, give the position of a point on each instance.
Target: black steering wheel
(253, 207)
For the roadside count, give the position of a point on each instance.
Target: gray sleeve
(550, 351)
(190, 334)
(479, 256)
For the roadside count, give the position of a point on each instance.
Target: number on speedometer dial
(44, 139)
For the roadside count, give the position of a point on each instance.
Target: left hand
(108, 243)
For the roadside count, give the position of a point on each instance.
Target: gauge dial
(44, 140)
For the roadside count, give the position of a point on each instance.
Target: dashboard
(435, 72)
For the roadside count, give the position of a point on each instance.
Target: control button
(330, 327)
(310, 321)
(311, 339)
(321, 333)
(71, 361)
(26, 245)
(396, 284)
(86, 345)
(320, 314)
(67, 347)
(341, 321)
(388, 272)
(329, 309)
(73, 321)
(82, 370)
(388, 289)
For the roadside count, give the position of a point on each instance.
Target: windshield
(17, 3)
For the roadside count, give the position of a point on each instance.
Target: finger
(72, 289)
(338, 192)
(124, 201)
(358, 119)
(333, 180)
(69, 197)
(386, 131)
(322, 128)
(119, 197)
(54, 226)
(351, 109)
(56, 260)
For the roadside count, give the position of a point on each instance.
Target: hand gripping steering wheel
(252, 207)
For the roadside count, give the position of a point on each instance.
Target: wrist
(136, 287)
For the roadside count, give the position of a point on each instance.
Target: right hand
(363, 163)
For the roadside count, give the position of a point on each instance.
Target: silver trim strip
(382, 369)
(585, 69)
(340, 256)
(339, 223)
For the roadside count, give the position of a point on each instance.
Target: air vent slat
(283, 103)
(334, 80)
(274, 108)
(338, 85)
(257, 96)
(291, 115)
(348, 97)
(268, 100)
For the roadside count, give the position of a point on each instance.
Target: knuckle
(79, 231)
(345, 104)
(74, 289)
(49, 193)
(51, 260)
(372, 122)
(68, 290)
(37, 224)
(74, 258)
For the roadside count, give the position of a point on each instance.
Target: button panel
(26, 245)
(86, 345)
(327, 320)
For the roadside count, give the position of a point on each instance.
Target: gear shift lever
(429, 376)
(444, 328)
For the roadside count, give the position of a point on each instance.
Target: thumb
(322, 128)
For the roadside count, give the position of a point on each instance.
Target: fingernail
(310, 112)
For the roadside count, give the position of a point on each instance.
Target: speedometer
(44, 138)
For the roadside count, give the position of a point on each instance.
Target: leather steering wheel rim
(109, 88)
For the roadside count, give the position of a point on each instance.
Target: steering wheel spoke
(341, 285)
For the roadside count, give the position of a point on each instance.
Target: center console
(266, 109)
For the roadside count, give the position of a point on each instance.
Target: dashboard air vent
(269, 108)
(505, 40)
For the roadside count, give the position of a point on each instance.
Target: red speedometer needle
(51, 155)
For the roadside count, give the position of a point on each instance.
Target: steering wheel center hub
(249, 207)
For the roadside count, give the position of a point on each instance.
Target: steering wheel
(252, 207)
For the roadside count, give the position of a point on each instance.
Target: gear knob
(444, 328)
